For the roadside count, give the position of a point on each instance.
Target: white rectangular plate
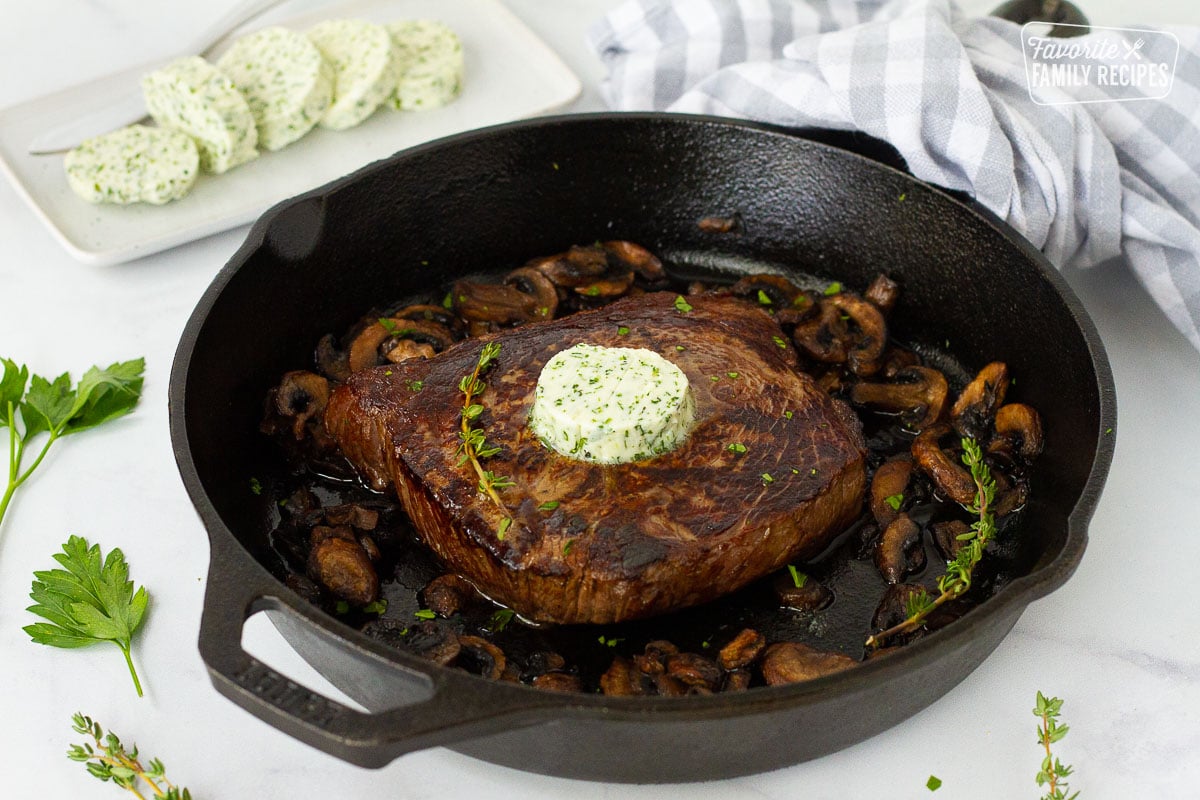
(510, 74)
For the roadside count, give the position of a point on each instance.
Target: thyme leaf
(956, 580)
(473, 446)
(107, 759)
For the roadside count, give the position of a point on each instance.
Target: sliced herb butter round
(286, 81)
(138, 164)
(431, 64)
(192, 96)
(364, 65)
(611, 405)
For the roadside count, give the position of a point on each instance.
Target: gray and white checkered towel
(1081, 175)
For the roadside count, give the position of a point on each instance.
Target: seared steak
(626, 540)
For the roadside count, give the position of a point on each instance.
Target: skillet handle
(443, 708)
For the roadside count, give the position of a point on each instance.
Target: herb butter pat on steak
(600, 543)
(611, 405)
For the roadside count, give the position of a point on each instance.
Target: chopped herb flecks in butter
(137, 164)
(365, 67)
(286, 81)
(611, 405)
(431, 64)
(194, 97)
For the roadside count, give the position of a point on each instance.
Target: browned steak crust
(628, 540)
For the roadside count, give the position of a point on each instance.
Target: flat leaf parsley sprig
(107, 759)
(31, 405)
(473, 447)
(89, 600)
(957, 578)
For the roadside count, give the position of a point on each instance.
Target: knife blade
(118, 98)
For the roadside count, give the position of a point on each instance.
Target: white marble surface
(1120, 642)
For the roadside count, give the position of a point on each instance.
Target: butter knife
(116, 101)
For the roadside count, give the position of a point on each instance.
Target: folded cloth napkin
(1084, 181)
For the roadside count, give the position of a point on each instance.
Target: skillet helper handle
(439, 714)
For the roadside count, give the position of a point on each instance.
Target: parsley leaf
(58, 409)
(89, 600)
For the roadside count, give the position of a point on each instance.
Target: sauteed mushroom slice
(867, 348)
(301, 397)
(888, 486)
(882, 293)
(893, 606)
(810, 595)
(737, 680)
(743, 650)
(719, 224)
(557, 682)
(1018, 429)
(355, 515)
(434, 641)
(693, 669)
(439, 314)
(448, 594)
(950, 478)
(342, 567)
(621, 679)
(792, 662)
(578, 266)
(395, 339)
(608, 286)
(653, 659)
(900, 550)
(481, 657)
(637, 258)
(1011, 494)
(825, 336)
(498, 303)
(774, 292)
(945, 536)
(975, 408)
(917, 394)
(535, 284)
(333, 361)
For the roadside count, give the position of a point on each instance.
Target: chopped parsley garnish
(798, 577)
(424, 613)
(766, 478)
(833, 288)
(415, 386)
(782, 342)
(895, 500)
(549, 505)
(622, 331)
(255, 486)
(764, 298)
(736, 447)
(505, 524)
(682, 305)
(500, 619)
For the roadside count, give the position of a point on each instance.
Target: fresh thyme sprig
(107, 759)
(1053, 773)
(473, 445)
(957, 578)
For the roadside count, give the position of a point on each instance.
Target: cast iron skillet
(489, 200)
